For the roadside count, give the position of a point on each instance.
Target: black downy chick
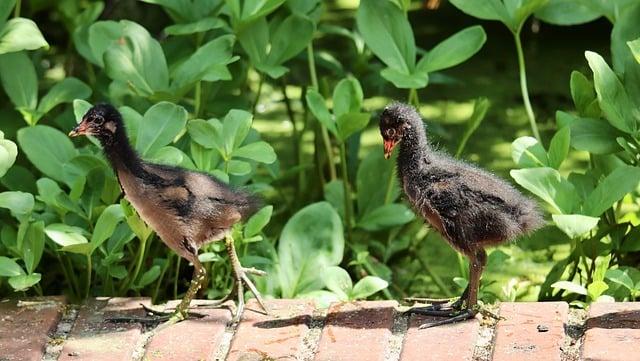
(471, 208)
(186, 209)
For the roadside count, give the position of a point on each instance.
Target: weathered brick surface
(192, 339)
(356, 331)
(92, 338)
(612, 332)
(447, 342)
(25, 326)
(519, 337)
(274, 337)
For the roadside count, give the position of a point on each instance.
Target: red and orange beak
(81, 129)
(388, 147)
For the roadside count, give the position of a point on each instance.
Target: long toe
(463, 315)
(151, 320)
(438, 309)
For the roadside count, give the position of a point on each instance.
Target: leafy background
(282, 97)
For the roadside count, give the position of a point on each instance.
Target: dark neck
(415, 150)
(120, 153)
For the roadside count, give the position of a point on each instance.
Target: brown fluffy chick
(186, 209)
(471, 208)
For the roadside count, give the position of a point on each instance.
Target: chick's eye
(391, 132)
(98, 120)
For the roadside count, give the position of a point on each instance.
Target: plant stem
(89, 270)
(297, 137)
(136, 270)
(154, 296)
(16, 10)
(198, 99)
(523, 87)
(435, 277)
(312, 66)
(348, 204)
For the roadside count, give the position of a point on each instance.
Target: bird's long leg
(476, 265)
(241, 279)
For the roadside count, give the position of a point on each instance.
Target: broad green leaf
(318, 108)
(80, 108)
(200, 26)
(254, 39)
(635, 49)
(259, 151)
(350, 123)
(595, 136)
(106, 224)
(148, 277)
(484, 9)
(385, 216)
(567, 12)
(347, 97)
(559, 147)
(23, 282)
(20, 34)
(376, 181)
(160, 125)
(368, 286)
(338, 281)
(527, 152)
(212, 54)
(63, 92)
(388, 34)
(205, 134)
(454, 50)
(547, 184)
(65, 235)
(596, 288)
(416, 80)
(571, 287)
(188, 10)
(625, 28)
(33, 245)
(620, 182)
(582, 91)
(8, 154)
(480, 108)
(84, 249)
(520, 10)
(612, 96)
(334, 194)
(19, 80)
(101, 36)
(244, 12)
(5, 10)
(283, 45)
(314, 230)
(9, 267)
(256, 223)
(620, 277)
(235, 128)
(47, 148)
(238, 167)
(575, 225)
(19, 203)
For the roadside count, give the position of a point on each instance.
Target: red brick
(192, 339)
(356, 331)
(447, 342)
(92, 338)
(518, 337)
(612, 332)
(274, 337)
(25, 326)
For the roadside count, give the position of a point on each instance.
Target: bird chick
(471, 208)
(186, 209)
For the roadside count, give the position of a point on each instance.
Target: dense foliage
(195, 80)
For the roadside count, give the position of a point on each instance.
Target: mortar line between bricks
(574, 335)
(225, 342)
(398, 333)
(311, 341)
(486, 338)
(146, 335)
(56, 342)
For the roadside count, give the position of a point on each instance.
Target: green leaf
(527, 152)
(19, 203)
(416, 80)
(571, 287)
(575, 225)
(5, 10)
(388, 34)
(9, 267)
(64, 235)
(520, 10)
(23, 282)
(318, 108)
(614, 187)
(283, 45)
(160, 125)
(634, 46)
(211, 55)
(347, 97)
(595, 136)
(612, 96)
(20, 34)
(254, 39)
(100, 37)
(582, 91)
(454, 50)
(375, 176)
(148, 277)
(480, 108)
(200, 26)
(259, 151)
(338, 281)
(8, 154)
(205, 133)
(47, 148)
(106, 224)
(559, 147)
(256, 223)
(314, 230)
(33, 246)
(238, 167)
(350, 123)
(64, 92)
(19, 80)
(385, 216)
(368, 286)
(244, 12)
(620, 277)
(547, 184)
(567, 12)
(235, 128)
(486, 9)
(596, 289)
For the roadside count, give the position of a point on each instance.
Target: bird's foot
(452, 317)
(243, 280)
(439, 305)
(155, 317)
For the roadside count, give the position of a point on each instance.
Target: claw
(463, 315)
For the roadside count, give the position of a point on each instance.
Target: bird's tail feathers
(531, 219)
